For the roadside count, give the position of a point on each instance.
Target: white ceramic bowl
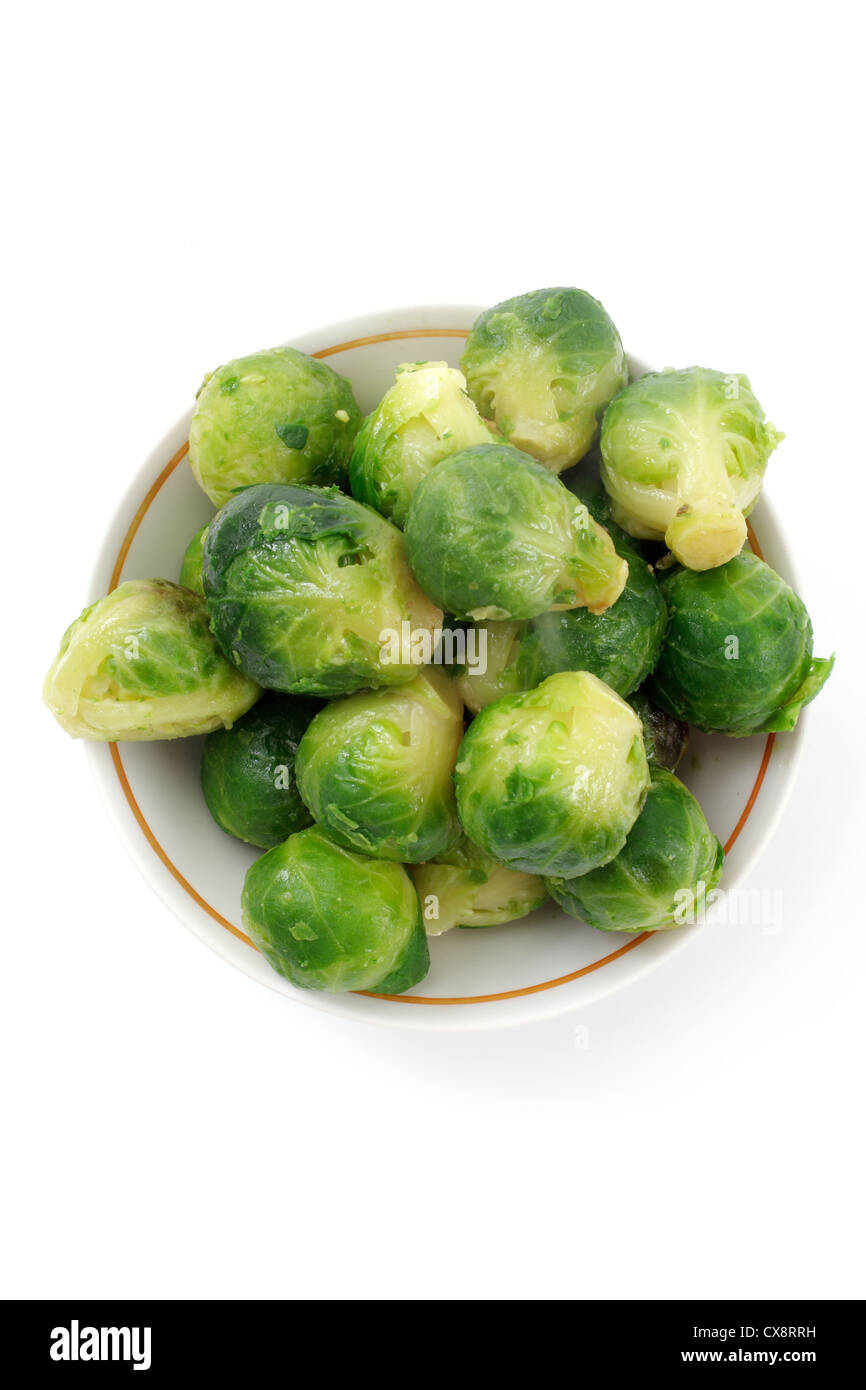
(544, 965)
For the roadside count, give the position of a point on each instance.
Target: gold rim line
(397, 336)
(140, 514)
(223, 921)
(753, 541)
(160, 852)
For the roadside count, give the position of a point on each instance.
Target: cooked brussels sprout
(464, 887)
(274, 417)
(142, 663)
(669, 863)
(490, 534)
(620, 646)
(326, 918)
(503, 673)
(683, 459)
(424, 417)
(376, 769)
(301, 583)
(248, 772)
(551, 781)
(544, 366)
(190, 568)
(664, 737)
(737, 658)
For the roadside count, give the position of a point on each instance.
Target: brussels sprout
(424, 417)
(503, 673)
(669, 863)
(464, 887)
(490, 534)
(301, 583)
(664, 737)
(737, 658)
(375, 769)
(683, 459)
(248, 772)
(274, 417)
(620, 646)
(544, 366)
(142, 663)
(190, 568)
(326, 918)
(551, 781)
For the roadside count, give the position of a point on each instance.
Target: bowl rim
(426, 321)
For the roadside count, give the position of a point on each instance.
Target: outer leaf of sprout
(190, 568)
(785, 718)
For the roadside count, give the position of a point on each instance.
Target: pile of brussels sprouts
(397, 795)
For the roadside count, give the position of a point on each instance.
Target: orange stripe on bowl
(392, 338)
(753, 541)
(141, 513)
(158, 849)
(753, 794)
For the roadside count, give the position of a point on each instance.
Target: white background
(193, 181)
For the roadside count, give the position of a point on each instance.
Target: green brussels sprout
(248, 772)
(274, 417)
(737, 658)
(491, 534)
(190, 568)
(142, 663)
(660, 878)
(464, 887)
(329, 919)
(301, 585)
(664, 737)
(376, 769)
(424, 417)
(544, 366)
(683, 459)
(620, 646)
(551, 781)
(501, 673)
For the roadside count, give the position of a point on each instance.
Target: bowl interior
(542, 965)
